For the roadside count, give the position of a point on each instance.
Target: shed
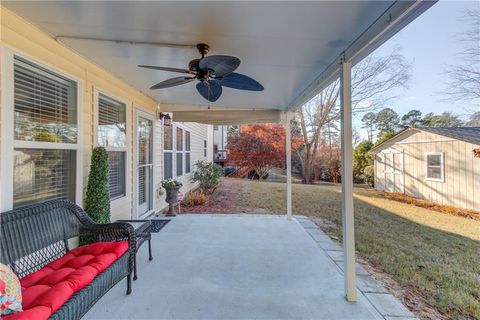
(437, 164)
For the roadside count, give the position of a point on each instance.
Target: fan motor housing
(194, 65)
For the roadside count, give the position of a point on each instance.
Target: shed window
(435, 166)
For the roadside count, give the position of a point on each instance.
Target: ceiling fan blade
(240, 82)
(172, 82)
(165, 69)
(210, 91)
(221, 65)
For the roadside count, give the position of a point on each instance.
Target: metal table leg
(150, 250)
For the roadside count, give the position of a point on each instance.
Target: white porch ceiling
(283, 45)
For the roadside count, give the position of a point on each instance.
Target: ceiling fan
(212, 72)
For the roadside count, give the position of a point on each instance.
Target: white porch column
(288, 156)
(347, 180)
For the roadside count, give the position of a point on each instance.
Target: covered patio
(238, 267)
(244, 267)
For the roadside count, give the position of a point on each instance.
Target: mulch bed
(225, 199)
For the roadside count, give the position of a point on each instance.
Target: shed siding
(461, 187)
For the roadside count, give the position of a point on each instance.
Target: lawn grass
(433, 253)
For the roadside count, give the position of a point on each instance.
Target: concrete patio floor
(241, 267)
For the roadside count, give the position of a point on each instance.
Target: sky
(429, 43)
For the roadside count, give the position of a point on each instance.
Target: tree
(372, 81)
(362, 158)
(411, 119)
(369, 120)
(446, 119)
(474, 120)
(464, 77)
(387, 120)
(97, 202)
(259, 146)
(384, 137)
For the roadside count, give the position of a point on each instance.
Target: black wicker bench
(33, 236)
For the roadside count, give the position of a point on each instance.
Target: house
(57, 105)
(78, 62)
(437, 164)
(220, 133)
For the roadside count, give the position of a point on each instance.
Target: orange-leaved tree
(259, 146)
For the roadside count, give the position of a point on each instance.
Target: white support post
(347, 181)
(288, 156)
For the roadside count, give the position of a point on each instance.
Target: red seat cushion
(47, 289)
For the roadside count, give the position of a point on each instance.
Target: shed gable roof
(467, 134)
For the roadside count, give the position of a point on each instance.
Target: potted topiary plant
(97, 201)
(171, 187)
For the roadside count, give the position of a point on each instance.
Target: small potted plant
(171, 187)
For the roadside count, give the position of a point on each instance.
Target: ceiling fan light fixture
(211, 72)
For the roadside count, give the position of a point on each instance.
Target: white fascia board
(394, 19)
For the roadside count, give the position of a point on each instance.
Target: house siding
(461, 185)
(23, 38)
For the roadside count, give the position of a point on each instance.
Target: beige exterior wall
(19, 36)
(461, 185)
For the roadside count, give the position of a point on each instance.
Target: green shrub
(368, 172)
(207, 175)
(97, 202)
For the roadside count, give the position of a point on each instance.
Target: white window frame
(9, 143)
(442, 166)
(96, 96)
(171, 151)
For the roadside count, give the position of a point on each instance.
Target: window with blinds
(167, 137)
(168, 152)
(116, 177)
(179, 144)
(112, 134)
(187, 152)
(179, 164)
(43, 174)
(167, 166)
(45, 104)
(187, 163)
(112, 122)
(45, 110)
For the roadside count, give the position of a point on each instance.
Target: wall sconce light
(167, 120)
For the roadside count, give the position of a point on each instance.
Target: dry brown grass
(195, 198)
(432, 205)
